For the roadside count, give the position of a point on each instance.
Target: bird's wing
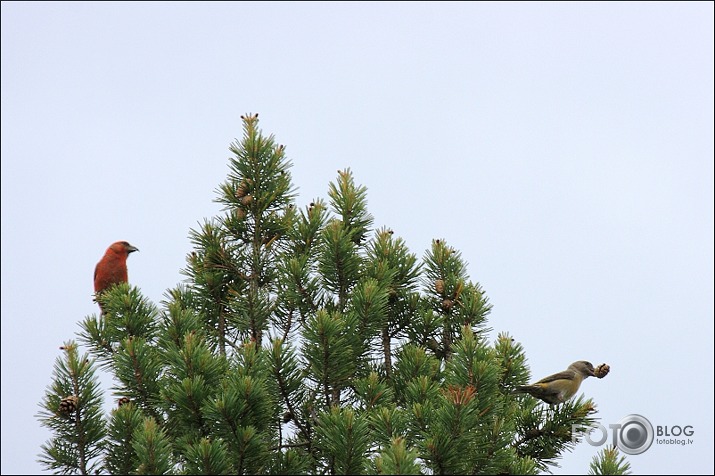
(565, 375)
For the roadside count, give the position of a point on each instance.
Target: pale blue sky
(566, 149)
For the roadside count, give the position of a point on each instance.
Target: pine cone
(241, 190)
(68, 405)
(240, 213)
(247, 200)
(447, 304)
(123, 401)
(439, 286)
(602, 370)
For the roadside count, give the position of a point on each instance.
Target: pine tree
(609, 461)
(303, 341)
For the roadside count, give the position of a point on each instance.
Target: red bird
(112, 268)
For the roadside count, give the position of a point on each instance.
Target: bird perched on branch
(559, 387)
(112, 268)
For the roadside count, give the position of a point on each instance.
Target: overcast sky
(566, 149)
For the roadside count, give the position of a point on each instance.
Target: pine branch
(72, 411)
(609, 461)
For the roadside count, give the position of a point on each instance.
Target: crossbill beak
(131, 249)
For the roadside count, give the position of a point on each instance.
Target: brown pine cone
(68, 405)
(602, 370)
